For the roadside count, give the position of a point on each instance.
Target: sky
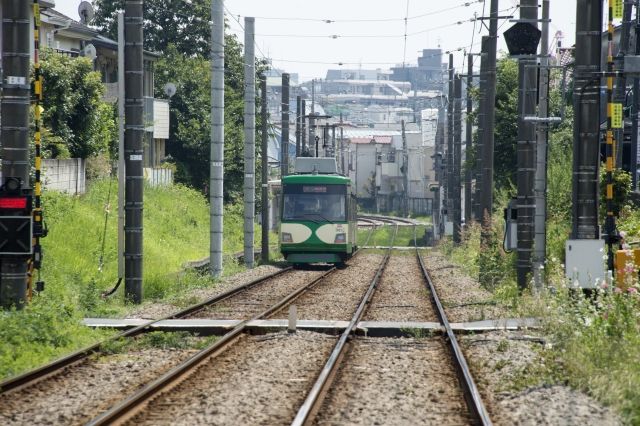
(370, 33)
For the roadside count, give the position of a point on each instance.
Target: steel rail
(314, 399)
(33, 376)
(471, 393)
(136, 402)
(133, 404)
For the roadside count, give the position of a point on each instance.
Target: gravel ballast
(395, 381)
(462, 296)
(83, 391)
(256, 300)
(498, 359)
(259, 380)
(337, 297)
(401, 294)
(162, 309)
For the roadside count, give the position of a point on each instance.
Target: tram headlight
(340, 238)
(286, 237)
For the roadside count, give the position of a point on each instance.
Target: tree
(77, 122)
(183, 23)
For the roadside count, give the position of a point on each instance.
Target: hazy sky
(370, 32)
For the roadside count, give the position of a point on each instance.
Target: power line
(363, 20)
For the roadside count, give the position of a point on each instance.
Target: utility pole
(486, 196)
(405, 172)
(457, 154)
(636, 112)
(620, 93)
(525, 176)
(344, 172)
(450, 171)
(249, 139)
(312, 119)
(540, 189)
(586, 128)
(265, 168)
(216, 164)
(468, 142)
(134, 150)
(298, 125)
(303, 126)
(482, 119)
(284, 141)
(16, 57)
(121, 162)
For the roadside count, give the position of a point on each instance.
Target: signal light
(13, 203)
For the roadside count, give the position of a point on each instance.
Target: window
(315, 203)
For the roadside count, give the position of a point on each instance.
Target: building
(427, 75)
(67, 36)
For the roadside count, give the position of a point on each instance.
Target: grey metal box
(584, 266)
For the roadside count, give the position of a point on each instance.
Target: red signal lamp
(13, 203)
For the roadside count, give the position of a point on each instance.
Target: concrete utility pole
(486, 196)
(527, 73)
(450, 169)
(620, 93)
(540, 228)
(121, 162)
(303, 126)
(298, 124)
(482, 118)
(133, 149)
(586, 126)
(457, 155)
(405, 172)
(249, 138)
(342, 168)
(312, 120)
(284, 141)
(16, 94)
(635, 112)
(216, 163)
(265, 168)
(468, 142)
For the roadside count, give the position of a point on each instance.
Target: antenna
(86, 12)
(169, 89)
(89, 51)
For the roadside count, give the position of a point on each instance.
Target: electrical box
(511, 225)
(584, 265)
(448, 228)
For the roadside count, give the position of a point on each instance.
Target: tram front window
(306, 204)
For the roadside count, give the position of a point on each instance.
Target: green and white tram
(319, 219)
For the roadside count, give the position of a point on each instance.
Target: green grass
(176, 230)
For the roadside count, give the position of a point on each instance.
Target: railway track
(341, 359)
(476, 409)
(58, 366)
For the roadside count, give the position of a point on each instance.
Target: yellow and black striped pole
(614, 116)
(38, 226)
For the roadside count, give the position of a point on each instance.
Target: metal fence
(158, 176)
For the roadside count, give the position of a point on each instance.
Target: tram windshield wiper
(319, 215)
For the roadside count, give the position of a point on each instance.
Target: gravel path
(499, 359)
(395, 381)
(260, 380)
(162, 309)
(401, 294)
(76, 396)
(462, 296)
(256, 300)
(337, 297)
